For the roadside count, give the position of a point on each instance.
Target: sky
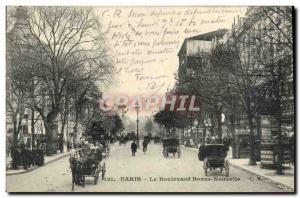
(144, 42)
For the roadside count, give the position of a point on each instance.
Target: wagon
(122, 140)
(171, 145)
(147, 139)
(99, 135)
(215, 157)
(87, 165)
(156, 139)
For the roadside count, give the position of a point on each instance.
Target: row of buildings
(263, 37)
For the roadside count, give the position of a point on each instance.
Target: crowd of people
(23, 156)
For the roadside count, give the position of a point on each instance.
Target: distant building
(249, 34)
(193, 50)
(194, 53)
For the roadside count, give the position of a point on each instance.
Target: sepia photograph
(150, 99)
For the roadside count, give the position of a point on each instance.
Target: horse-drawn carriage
(87, 163)
(123, 139)
(156, 139)
(98, 135)
(171, 145)
(214, 156)
(147, 139)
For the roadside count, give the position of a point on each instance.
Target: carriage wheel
(96, 179)
(165, 153)
(73, 182)
(103, 170)
(227, 168)
(205, 167)
(76, 180)
(97, 172)
(103, 174)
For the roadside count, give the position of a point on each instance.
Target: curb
(36, 167)
(191, 149)
(282, 185)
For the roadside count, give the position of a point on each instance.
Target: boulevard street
(147, 173)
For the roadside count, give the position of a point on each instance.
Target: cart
(215, 157)
(171, 145)
(156, 139)
(87, 164)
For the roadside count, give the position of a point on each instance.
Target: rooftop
(203, 37)
(209, 35)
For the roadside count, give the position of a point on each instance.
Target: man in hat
(133, 148)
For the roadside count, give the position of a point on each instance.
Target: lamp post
(137, 108)
(26, 116)
(252, 160)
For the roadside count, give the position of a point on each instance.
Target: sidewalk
(48, 160)
(285, 181)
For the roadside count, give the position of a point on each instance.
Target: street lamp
(252, 160)
(26, 116)
(137, 109)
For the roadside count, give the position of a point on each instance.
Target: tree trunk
(259, 134)
(32, 128)
(15, 133)
(233, 143)
(183, 135)
(252, 160)
(212, 125)
(17, 122)
(76, 126)
(51, 132)
(219, 127)
(62, 131)
(280, 158)
(197, 135)
(204, 134)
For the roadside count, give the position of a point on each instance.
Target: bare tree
(275, 55)
(66, 44)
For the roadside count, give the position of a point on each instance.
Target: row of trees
(57, 61)
(250, 73)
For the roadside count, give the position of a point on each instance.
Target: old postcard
(150, 99)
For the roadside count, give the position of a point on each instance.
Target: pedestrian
(16, 157)
(24, 157)
(133, 148)
(145, 144)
